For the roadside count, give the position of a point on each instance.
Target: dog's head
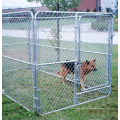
(91, 65)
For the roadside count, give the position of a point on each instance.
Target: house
(87, 5)
(84, 5)
(41, 8)
(113, 4)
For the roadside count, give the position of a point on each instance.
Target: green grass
(44, 23)
(40, 23)
(53, 95)
(102, 24)
(52, 90)
(21, 51)
(115, 24)
(22, 25)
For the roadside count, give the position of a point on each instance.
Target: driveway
(67, 34)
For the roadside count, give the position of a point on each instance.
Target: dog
(85, 68)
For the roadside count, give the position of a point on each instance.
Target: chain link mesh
(56, 35)
(17, 76)
(39, 58)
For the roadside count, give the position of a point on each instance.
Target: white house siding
(108, 4)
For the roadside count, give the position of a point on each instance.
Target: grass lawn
(100, 25)
(53, 95)
(43, 23)
(103, 25)
(106, 108)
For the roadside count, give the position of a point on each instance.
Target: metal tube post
(58, 41)
(35, 65)
(79, 84)
(108, 56)
(111, 29)
(29, 40)
(75, 76)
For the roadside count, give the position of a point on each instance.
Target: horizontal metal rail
(56, 75)
(15, 44)
(75, 105)
(52, 18)
(79, 13)
(14, 70)
(17, 60)
(42, 64)
(17, 17)
(18, 13)
(55, 47)
(94, 52)
(89, 87)
(67, 17)
(92, 90)
(72, 49)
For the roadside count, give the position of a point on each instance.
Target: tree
(58, 5)
(33, 11)
(74, 3)
(64, 5)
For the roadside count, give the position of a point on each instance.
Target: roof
(41, 8)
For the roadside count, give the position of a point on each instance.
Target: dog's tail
(59, 73)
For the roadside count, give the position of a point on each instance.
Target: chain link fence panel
(17, 75)
(57, 60)
(56, 44)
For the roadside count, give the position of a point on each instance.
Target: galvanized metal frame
(36, 65)
(109, 53)
(18, 60)
(75, 76)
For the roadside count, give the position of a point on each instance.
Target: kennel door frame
(109, 53)
(76, 80)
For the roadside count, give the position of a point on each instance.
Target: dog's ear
(87, 62)
(94, 60)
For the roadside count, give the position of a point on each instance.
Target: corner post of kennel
(109, 56)
(111, 26)
(79, 48)
(35, 64)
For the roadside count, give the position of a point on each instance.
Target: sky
(18, 4)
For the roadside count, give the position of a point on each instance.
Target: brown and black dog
(85, 68)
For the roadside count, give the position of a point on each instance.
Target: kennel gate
(53, 38)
